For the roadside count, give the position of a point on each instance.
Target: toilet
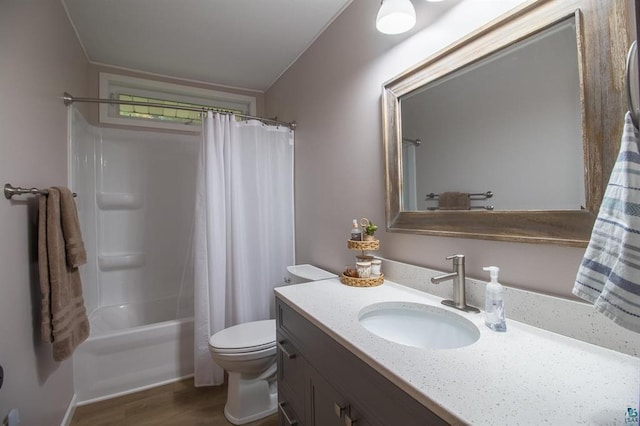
(247, 352)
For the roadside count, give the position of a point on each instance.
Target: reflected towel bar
(472, 196)
(488, 207)
(10, 191)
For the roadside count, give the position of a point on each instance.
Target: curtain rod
(68, 100)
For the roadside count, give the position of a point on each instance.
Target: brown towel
(60, 252)
(454, 201)
(73, 244)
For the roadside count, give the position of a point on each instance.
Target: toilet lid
(246, 337)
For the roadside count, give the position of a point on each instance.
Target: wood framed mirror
(460, 128)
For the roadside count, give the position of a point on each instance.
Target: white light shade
(395, 17)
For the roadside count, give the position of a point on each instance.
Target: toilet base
(250, 400)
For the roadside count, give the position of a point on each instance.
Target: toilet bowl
(247, 352)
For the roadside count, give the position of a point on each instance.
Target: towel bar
(10, 191)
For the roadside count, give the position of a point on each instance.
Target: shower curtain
(244, 228)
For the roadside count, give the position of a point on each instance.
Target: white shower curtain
(244, 228)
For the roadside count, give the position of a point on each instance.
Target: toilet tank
(297, 274)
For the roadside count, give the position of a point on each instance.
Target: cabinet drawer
(288, 414)
(288, 322)
(291, 375)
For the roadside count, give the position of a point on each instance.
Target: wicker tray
(362, 282)
(363, 245)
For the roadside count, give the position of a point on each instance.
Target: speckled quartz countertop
(526, 376)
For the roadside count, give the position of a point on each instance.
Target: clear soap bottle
(494, 302)
(356, 232)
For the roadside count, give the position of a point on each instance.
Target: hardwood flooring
(179, 404)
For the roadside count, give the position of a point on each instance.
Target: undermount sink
(418, 325)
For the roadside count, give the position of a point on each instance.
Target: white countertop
(526, 376)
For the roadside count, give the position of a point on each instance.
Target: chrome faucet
(458, 277)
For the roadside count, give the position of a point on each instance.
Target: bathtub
(131, 348)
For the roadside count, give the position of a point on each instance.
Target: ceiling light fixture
(395, 16)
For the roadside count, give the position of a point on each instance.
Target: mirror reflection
(503, 133)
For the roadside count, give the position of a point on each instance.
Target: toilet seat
(245, 338)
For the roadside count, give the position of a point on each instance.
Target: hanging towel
(60, 252)
(454, 201)
(609, 275)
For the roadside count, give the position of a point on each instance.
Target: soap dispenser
(356, 232)
(494, 302)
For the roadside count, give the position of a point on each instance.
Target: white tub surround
(138, 286)
(526, 375)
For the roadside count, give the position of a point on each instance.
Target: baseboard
(130, 391)
(68, 415)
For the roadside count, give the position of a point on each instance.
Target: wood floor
(178, 403)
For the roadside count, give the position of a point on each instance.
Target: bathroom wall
(333, 91)
(40, 59)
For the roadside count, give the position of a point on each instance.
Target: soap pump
(356, 232)
(494, 302)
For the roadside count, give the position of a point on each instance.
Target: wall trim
(68, 415)
(172, 77)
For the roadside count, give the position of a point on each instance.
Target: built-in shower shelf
(118, 201)
(112, 262)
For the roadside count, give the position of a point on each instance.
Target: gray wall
(40, 58)
(333, 92)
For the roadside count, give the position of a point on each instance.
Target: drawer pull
(348, 421)
(287, 418)
(289, 355)
(339, 409)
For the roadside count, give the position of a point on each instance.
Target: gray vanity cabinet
(321, 383)
(305, 397)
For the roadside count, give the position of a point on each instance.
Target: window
(168, 96)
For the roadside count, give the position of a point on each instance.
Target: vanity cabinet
(321, 383)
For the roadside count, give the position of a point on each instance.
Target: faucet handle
(457, 258)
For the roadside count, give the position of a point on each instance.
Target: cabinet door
(326, 407)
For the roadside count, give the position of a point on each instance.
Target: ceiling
(238, 43)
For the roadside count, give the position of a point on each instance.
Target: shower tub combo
(135, 205)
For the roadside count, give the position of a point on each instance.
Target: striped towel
(609, 276)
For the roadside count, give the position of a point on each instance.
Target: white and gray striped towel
(609, 276)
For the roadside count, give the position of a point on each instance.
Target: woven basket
(363, 245)
(362, 282)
